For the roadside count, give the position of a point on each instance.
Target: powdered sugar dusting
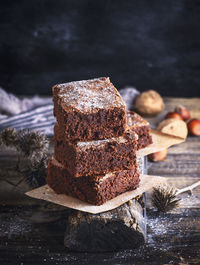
(133, 119)
(90, 95)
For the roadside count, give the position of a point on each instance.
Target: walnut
(149, 103)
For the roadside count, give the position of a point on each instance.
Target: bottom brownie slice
(93, 189)
(141, 127)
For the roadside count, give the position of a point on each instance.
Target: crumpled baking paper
(147, 182)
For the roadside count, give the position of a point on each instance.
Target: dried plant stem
(165, 199)
(188, 188)
(32, 160)
(19, 182)
(17, 166)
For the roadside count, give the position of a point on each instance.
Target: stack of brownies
(95, 142)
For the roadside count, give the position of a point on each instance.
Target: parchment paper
(47, 194)
(160, 141)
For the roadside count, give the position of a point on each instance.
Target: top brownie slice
(141, 127)
(89, 109)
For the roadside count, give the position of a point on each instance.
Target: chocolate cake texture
(95, 142)
(95, 189)
(89, 109)
(141, 127)
(95, 157)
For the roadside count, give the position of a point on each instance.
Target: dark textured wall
(149, 44)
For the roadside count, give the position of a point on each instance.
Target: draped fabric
(37, 113)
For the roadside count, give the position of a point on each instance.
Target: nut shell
(158, 156)
(183, 111)
(194, 127)
(174, 127)
(173, 115)
(149, 103)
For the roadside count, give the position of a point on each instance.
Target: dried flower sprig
(164, 199)
(33, 147)
(31, 143)
(25, 141)
(8, 137)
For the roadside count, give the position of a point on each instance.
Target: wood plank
(33, 235)
(172, 238)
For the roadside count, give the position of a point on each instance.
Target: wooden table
(31, 232)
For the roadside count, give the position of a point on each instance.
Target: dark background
(147, 44)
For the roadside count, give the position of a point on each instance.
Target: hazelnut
(173, 127)
(158, 156)
(194, 127)
(149, 103)
(173, 115)
(185, 114)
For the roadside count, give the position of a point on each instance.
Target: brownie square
(93, 189)
(140, 126)
(95, 157)
(89, 109)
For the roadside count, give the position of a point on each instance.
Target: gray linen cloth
(36, 113)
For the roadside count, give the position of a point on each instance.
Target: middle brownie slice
(95, 157)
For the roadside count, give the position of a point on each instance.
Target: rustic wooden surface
(31, 232)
